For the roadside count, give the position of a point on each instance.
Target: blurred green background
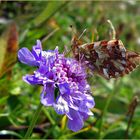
(117, 110)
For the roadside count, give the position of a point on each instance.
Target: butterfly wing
(133, 60)
(109, 59)
(114, 68)
(116, 60)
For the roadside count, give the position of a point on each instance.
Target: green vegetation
(117, 111)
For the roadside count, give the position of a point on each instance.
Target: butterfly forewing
(110, 59)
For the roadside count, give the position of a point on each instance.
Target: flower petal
(43, 68)
(61, 107)
(64, 88)
(77, 122)
(37, 49)
(47, 95)
(84, 115)
(69, 116)
(31, 79)
(70, 102)
(82, 107)
(26, 57)
(89, 101)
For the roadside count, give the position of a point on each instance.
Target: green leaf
(51, 8)
(13, 102)
(13, 133)
(116, 106)
(4, 121)
(116, 134)
(3, 100)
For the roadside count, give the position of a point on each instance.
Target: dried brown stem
(130, 113)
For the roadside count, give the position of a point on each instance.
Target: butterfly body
(109, 59)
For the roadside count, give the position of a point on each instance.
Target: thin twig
(49, 35)
(130, 113)
(37, 127)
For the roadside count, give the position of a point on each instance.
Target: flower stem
(104, 113)
(33, 121)
(112, 93)
(48, 116)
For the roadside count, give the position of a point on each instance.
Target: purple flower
(64, 83)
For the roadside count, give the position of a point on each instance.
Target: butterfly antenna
(82, 34)
(113, 29)
(92, 38)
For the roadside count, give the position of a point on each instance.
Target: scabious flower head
(64, 83)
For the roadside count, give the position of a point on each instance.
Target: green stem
(33, 121)
(49, 116)
(106, 108)
(104, 112)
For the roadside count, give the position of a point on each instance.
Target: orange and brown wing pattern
(110, 59)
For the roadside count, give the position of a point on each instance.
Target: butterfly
(109, 58)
